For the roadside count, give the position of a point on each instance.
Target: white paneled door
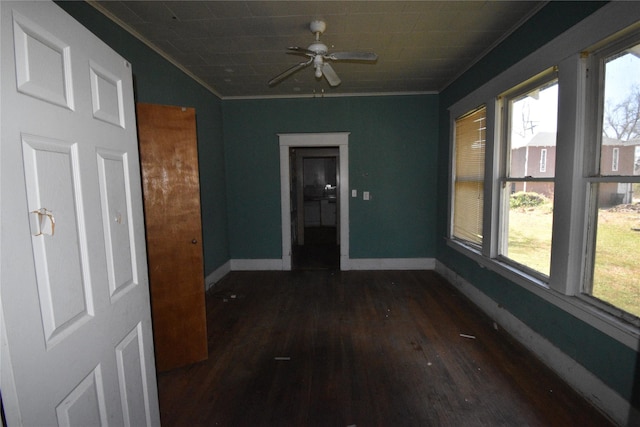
(77, 347)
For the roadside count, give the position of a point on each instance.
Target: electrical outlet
(365, 195)
(354, 193)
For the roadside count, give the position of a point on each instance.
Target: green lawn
(617, 266)
(530, 237)
(617, 271)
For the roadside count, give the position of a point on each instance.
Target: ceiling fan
(319, 56)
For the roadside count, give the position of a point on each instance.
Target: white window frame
(615, 158)
(505, 148)
(570, 208)
(592, 172)
(543, 160)
(487, 211)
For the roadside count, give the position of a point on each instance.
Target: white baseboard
(217, 275)
(346, 264)
(579, 378)
(391, 263)
(256, 264)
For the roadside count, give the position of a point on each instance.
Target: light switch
(365, 195)
(354, 193)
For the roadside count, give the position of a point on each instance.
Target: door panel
(106, 95)
(134, 390)
(117, 221)
(51, 175)
(85, 405)
(169, 156)
(77, 347)
(43, 63)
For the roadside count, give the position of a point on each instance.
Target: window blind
(468, 200)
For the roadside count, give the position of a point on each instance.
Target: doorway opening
(315, 208)
(292, 198)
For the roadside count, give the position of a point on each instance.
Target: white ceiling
(235, 47)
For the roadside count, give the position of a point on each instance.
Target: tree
(622, 121)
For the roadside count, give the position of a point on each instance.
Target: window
(613, 184)
(577, 107)
(530, 115)
(468, 186)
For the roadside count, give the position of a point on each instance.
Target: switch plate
(365, 195)
(354, 193)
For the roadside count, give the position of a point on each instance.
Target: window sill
(581, 307)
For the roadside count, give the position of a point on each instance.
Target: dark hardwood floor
(330, 348)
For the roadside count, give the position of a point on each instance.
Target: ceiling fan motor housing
(318, 48)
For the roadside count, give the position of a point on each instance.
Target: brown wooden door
(169, 160)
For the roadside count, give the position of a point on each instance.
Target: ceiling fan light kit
(318, 54)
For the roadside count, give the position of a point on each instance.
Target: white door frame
(308, 140)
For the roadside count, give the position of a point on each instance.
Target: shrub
(523, 199)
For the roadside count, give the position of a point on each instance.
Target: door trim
(309, 140)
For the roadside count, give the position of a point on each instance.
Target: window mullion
(569, 225)
(492, 180)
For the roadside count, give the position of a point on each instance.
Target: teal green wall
(615, 364)
(392, 154)
(159, 82)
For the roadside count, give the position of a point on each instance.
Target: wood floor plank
(329, 348)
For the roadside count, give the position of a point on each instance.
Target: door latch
(43, 221)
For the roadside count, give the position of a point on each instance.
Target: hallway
(319, 252)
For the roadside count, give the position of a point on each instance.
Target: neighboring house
(537, 159)
(618, 158)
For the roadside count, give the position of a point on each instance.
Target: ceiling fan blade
(277, 79)
(353, 56)
(330, 75)
(300, 51)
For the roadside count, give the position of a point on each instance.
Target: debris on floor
(471, 337)
(226, 296)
